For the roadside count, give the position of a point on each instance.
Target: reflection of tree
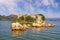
(15, 33)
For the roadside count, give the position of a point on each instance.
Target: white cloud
(8, 7)
(7, 2)
(11, 6)
(49, 2)
(46, 2)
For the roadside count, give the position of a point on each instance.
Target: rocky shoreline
(18, 26)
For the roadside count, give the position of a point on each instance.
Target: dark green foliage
(25, 19)
(29, 19)
(43, 17)
(21, 18)
(21, 21)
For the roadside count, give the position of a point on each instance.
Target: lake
(31, 34)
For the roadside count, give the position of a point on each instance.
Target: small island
(26, 21)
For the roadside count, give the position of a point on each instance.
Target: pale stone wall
(33, 16)
(19, 15)
(39, 17)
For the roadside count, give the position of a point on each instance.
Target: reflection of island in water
(37, 29)
(34, 30)
(15, 33)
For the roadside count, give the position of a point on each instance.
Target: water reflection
(36, 30)
(33, 29)
(16, 33)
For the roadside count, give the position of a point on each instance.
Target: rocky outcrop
(18, 26)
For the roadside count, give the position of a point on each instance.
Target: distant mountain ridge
(10, 17)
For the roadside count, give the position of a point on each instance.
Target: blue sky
(50, 8)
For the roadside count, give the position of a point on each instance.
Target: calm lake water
(30, 34)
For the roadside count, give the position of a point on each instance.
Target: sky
(49, 8)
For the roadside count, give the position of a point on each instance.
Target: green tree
(43, 17)
(29, 19)
(21, 19)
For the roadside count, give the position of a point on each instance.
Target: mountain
(10, 17)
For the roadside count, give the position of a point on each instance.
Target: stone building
(19, 15)
(33, 16)
(39, 19)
